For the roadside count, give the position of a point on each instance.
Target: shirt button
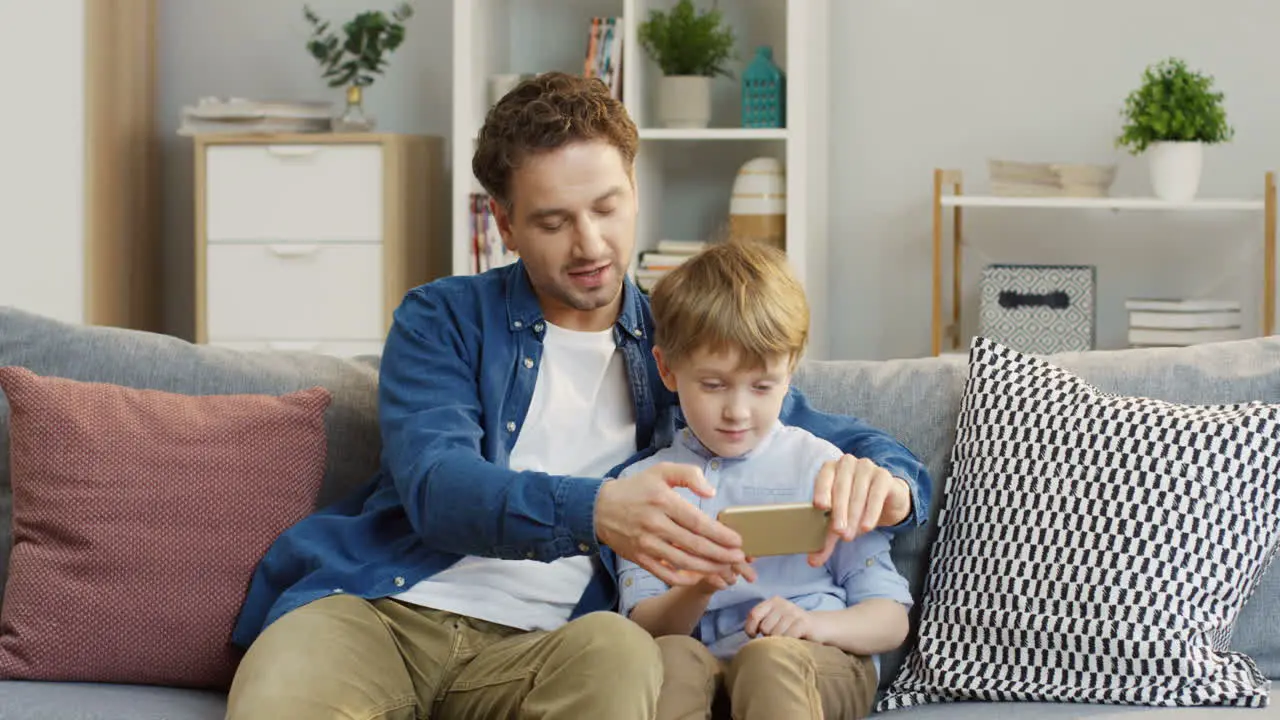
(715, 464)
(584, 547)
(870, 562)
(337, 591)
(538, 327)
(637, 332)
(529, 554)
(528, 362)
(518, 324)
(399, 581)
(511, 426)
(626, 583)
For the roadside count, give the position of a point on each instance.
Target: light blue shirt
(781, 469)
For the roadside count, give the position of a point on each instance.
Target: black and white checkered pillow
(1092, 547)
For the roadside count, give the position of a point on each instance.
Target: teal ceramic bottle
(764, 92)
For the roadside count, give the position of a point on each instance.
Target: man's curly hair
(546, 112)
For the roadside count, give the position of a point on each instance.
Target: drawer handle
(292, 151)
(293, 250)
(295, 345)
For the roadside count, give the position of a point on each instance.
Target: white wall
(42, 168)
(917, 84)
(257, 49)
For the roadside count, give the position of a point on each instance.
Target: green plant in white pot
(690, 48)
(1171, 117)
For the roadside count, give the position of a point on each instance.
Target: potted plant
(1171, 117)
(690, 48)
(353, 58)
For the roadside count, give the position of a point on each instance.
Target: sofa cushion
(138, 519)
(1094, 547)
(918, 399)
(91, 701)
(1073, 711)
(161, 362)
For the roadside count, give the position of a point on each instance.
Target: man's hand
(645, 521)
(779, 617)
(861, 496)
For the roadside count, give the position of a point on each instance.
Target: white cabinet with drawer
(309, 242)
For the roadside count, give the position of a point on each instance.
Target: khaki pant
(769, 678)
(346, 657)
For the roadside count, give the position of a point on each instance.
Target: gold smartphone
(783, 529)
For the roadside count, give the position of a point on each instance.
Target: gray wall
(915, 84)
(918, 84)
(256, 49)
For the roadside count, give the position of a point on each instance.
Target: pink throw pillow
(138, 519)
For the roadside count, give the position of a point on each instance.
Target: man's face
(572, 220)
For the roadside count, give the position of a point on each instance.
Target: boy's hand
(779, 617)
(861, 496)
(711, 584)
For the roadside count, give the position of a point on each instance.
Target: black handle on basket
(1056, 300)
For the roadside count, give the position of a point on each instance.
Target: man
(467, 579)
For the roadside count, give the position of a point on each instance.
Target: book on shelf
(1156, 337)
(1181, 305)
(604, 53)
(1182, 322)
(487, 248)
(665, 257)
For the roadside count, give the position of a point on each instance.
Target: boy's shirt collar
(690, 441)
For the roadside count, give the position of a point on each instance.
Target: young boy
(794, 641)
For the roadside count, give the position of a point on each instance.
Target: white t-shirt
(581, 421)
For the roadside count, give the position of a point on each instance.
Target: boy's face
(729, 407)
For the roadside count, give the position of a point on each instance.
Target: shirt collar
(694, 445)
(524, 311)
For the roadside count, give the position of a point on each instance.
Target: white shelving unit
(684, 176)
(946, 335)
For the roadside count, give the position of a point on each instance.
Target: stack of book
(487, 248)
(1155, 322)
(240, 115)
(604, 53)
(666, 257)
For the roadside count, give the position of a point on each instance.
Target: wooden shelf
(1103, 203)
(946, 331)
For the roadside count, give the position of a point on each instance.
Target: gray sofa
(915, 399)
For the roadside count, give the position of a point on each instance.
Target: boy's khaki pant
(346, 657)
(771, 677)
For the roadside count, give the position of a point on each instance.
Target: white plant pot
(1175, 169)
(684, 101)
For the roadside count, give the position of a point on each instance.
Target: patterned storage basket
(1039, 309)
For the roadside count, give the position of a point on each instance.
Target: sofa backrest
(918, 401)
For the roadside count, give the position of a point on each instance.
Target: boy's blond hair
(734, 295)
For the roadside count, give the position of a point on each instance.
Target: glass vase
(354, 118)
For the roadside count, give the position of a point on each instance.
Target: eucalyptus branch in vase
(354, 56)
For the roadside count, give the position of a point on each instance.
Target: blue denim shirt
(456, 379)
